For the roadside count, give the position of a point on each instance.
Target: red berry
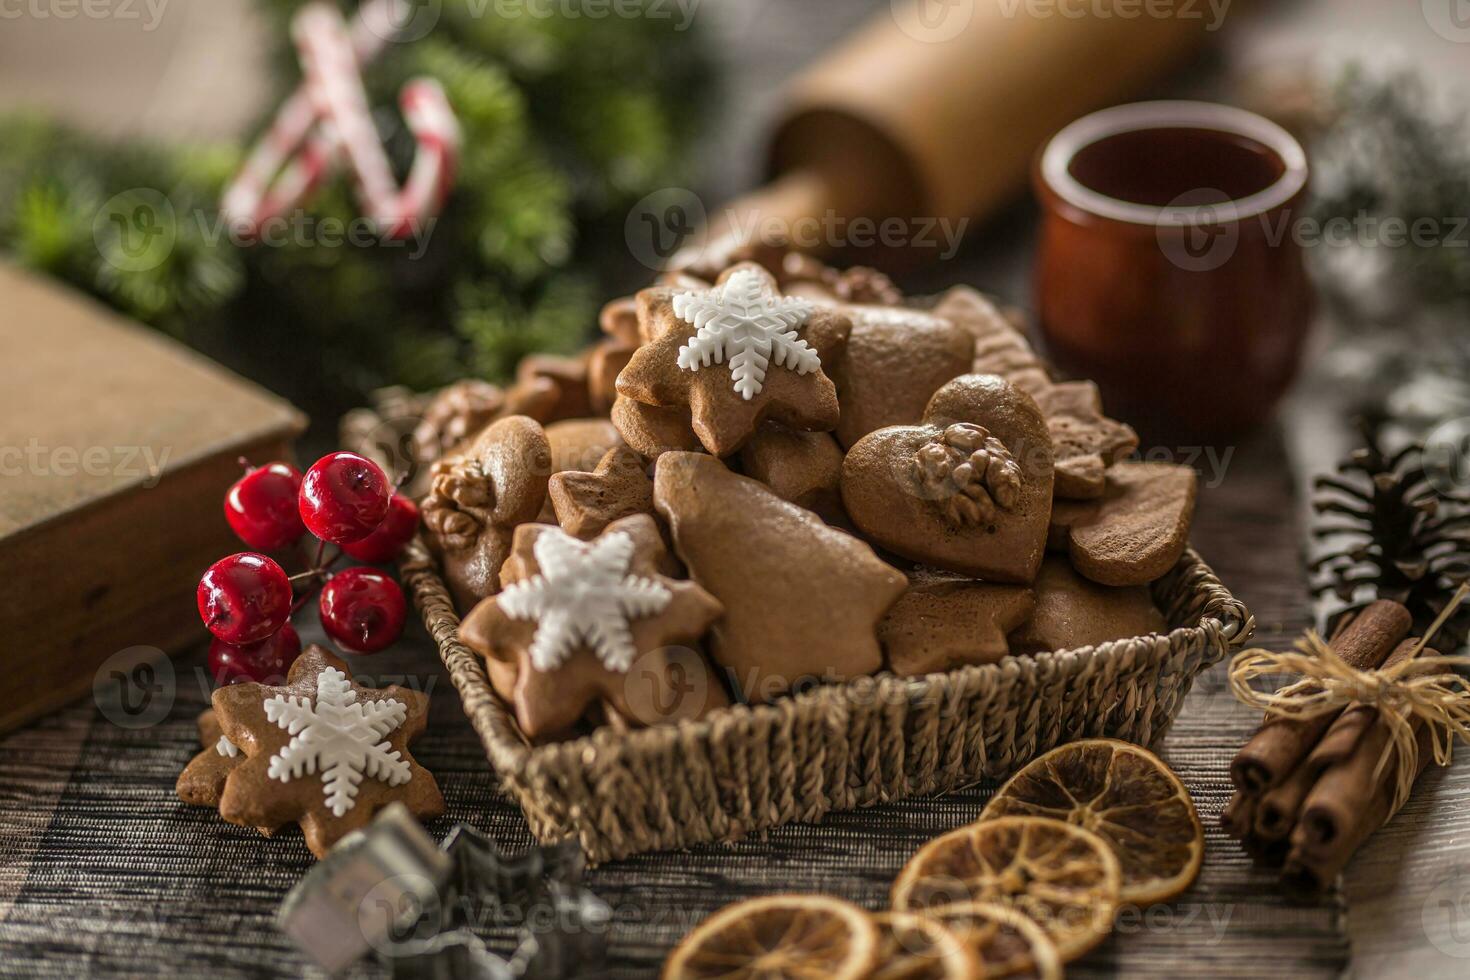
(244, 598)
(261, 507)
(384, 543)
(344, 497)
(266, 662)
(363, 610)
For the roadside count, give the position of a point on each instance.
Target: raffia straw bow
(1425, 688)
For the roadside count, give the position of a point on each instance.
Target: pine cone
(453, 415)
(1397, 535)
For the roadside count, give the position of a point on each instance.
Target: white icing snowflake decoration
(341, 736)
(746, 324)
(226, 748)
(584, 595)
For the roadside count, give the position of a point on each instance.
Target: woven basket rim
(1220, 614)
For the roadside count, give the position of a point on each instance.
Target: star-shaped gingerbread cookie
(586, 503)
(1086, 441)
(653, 431)
(584, 623)
(735, 356)
(203, 779)
(322, 751)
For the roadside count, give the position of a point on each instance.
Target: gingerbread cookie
(651, 431)
(944, 621)
(735, 356)
(705, 261)
(1086, 441)
(619, 320)
(576, 617)
(968, 490)
(803, 275)
(1000, 348)
(1137, 531)
(1072, 612)
(203, 779)
(893, 362)
(801, 599)
(323, 752)
(578, 444)
(802, 467)
(605, 361)
(568, 375)
(586, 503)
(477, 500)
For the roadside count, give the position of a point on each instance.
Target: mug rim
(1062, 149)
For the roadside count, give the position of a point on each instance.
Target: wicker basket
(875, 739)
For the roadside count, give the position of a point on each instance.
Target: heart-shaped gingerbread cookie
(969, 489)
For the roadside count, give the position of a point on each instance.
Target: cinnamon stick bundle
(1282, 743)
(1346, 806)
(1309, 791)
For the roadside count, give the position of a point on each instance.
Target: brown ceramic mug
(1168, 269)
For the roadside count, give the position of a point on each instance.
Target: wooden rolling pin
(898, 123)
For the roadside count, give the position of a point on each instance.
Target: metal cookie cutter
(388, 891)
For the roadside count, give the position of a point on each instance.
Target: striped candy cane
(334, 86)
(305, 141)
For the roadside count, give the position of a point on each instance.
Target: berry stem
(302, 600)
(316, 576)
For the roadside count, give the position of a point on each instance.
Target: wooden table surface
(102, 869)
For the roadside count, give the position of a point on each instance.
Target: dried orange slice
(1007, 942)
(1125, 795)
(1063, 877)
(915, 947)
(784, 937)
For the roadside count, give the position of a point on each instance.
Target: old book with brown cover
(116, 448)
